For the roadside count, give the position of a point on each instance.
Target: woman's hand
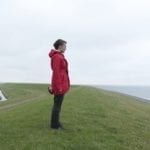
(50, 90)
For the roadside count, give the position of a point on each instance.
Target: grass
(94, 119)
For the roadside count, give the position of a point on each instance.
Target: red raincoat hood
(53, 52)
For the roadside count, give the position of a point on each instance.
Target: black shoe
(55, 127)
(61, 126)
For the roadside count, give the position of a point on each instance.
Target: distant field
(94, 119)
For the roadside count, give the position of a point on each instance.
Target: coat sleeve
(56, 72)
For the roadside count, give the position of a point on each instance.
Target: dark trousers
(56, 109)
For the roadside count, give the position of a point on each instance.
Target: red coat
(60, 82)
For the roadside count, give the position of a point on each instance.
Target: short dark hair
(58, 43)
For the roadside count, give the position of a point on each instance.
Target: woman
(60, 82)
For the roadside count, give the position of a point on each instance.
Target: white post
(2, 97)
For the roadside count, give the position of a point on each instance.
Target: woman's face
(62, 48)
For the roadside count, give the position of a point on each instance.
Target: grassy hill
(94, 119)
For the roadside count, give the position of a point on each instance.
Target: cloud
(108, 40)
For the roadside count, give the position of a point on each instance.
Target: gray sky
(108, 40)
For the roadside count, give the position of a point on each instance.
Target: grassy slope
(94, 119)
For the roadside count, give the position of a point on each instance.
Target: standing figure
(60, 82)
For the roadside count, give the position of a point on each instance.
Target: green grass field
(94, 119)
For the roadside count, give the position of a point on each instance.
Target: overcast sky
(108, 40)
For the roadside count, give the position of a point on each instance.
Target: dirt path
(22, 102)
